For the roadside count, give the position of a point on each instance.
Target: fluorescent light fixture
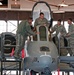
(59, 11)
(63, 5)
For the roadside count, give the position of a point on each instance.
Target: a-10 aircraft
(43, 54)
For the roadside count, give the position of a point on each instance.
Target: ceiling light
(63, 5)
(59, 11)
(1, 3)
(16, 4)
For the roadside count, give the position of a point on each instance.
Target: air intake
(7, 42)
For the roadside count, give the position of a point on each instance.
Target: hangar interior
(12, 12)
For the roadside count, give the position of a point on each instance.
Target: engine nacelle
(7, 43)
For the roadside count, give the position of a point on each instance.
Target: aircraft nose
(45, 60)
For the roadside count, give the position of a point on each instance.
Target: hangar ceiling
(28, 4)
(54, 4)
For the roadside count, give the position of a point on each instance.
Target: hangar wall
(21, 15)
(14, 15)
(63, 16)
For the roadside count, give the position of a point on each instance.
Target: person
(59, 28)
(23, 31)
(32, 27)
(60, 33)
(41, 21)
(70, 35)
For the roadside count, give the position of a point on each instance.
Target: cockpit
(43, 34)
(42, 6)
